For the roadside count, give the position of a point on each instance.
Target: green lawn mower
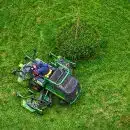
(46, 80)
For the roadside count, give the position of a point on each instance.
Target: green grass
(103, 104)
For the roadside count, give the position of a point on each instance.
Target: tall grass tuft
(77, 40)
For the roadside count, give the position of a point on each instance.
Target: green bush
(77, 40)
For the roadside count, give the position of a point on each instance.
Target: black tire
(62, 102)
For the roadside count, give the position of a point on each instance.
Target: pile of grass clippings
(78, 40)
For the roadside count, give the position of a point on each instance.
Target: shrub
(77, 40)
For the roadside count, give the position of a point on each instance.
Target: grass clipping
(77, 40)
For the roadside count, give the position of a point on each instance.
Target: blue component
(42, 68)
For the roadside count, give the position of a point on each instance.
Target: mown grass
(28, 24)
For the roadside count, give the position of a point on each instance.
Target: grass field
(103, 104)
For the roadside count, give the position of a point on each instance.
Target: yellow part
(48, 74)
(20, 65)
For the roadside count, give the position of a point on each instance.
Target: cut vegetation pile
(78, 40)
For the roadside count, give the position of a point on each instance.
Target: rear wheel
(62, 102)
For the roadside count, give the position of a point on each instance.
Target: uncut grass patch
(77, 39)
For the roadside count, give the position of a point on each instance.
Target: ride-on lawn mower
(47, 79)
